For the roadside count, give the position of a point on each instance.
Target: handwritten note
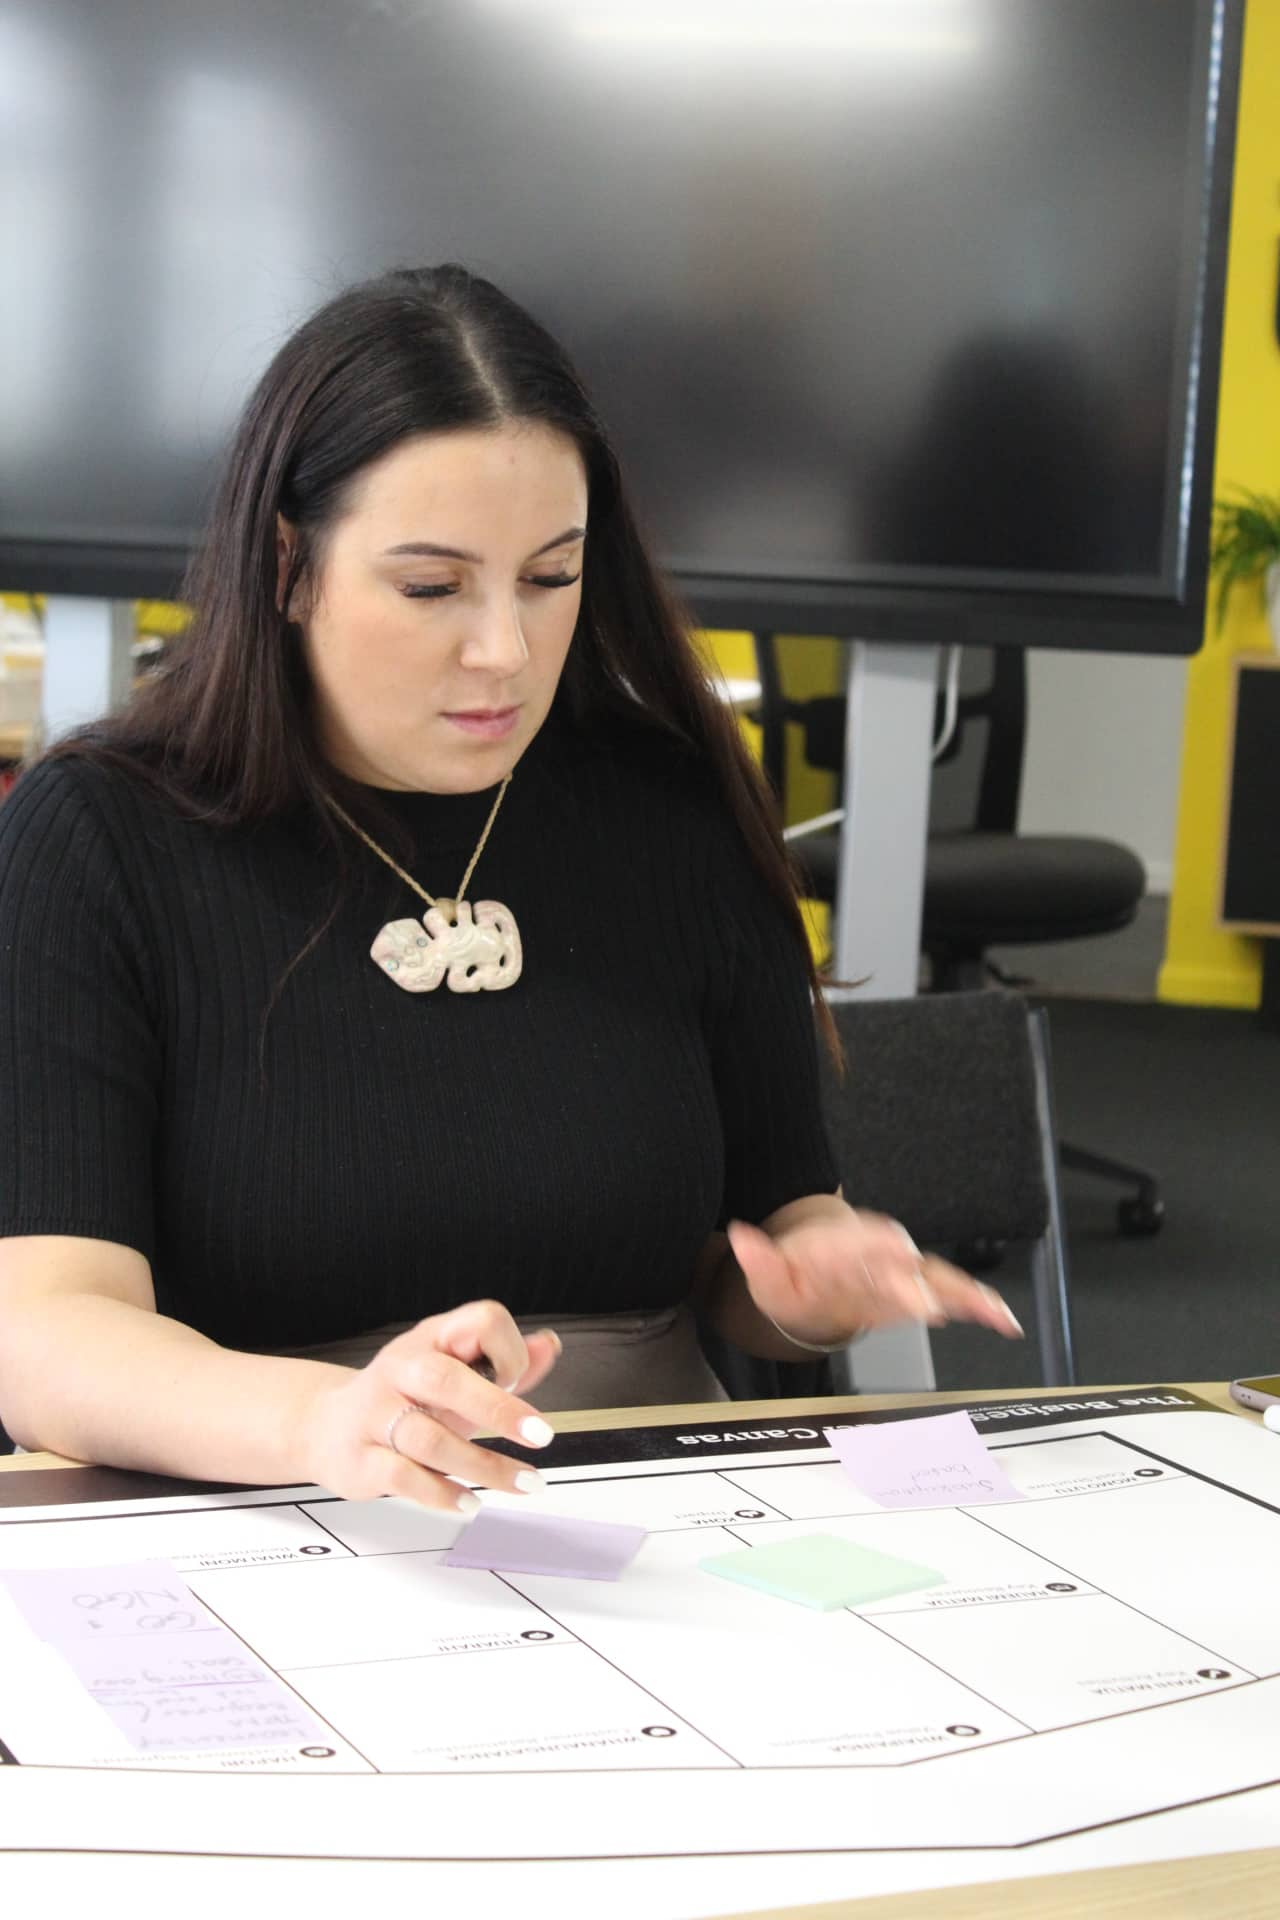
(504, 1542)
(191, 1693)
(69, 1604)
(939, 1461)
(163, 1668)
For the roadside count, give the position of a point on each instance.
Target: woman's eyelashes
(535, 580)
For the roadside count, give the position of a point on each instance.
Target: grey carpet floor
(1193, 1095)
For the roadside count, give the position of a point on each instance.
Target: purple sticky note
(939, 1461)
(65, 1605)
(191, 1693)
(504, 1542)
(158, 1663)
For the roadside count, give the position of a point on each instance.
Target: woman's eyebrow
(457, 553)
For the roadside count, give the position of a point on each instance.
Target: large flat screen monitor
(905, 313)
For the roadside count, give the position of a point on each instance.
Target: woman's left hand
(825, 1273)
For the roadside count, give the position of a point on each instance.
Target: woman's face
(446, 600)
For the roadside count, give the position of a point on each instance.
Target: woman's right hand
(426, 1381)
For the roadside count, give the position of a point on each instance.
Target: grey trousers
(609, 1360)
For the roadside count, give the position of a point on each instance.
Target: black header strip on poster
(724, 1439)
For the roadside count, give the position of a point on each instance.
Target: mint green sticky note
(822, 1570)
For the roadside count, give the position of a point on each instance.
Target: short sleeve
(80, 1054)
(764, 1052)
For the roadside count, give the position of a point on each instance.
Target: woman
(271, 1128)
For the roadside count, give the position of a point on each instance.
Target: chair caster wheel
(1139, 1218)
(980, 1256)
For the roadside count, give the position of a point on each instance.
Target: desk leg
(888, 742)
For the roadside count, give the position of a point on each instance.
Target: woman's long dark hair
(224, 728)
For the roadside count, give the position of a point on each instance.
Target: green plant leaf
(1245, 541)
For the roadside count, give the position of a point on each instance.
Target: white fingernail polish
(536, 1431)
(989, 1293)
(466, 1503)
(529, 1480)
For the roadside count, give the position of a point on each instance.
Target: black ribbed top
(356, 1155)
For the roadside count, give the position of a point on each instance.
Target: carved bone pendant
(479, 952)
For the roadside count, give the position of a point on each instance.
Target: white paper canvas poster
(1093, 1654)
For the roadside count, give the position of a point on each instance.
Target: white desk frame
(879, 900)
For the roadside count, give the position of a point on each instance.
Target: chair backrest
(937, 1121)
(945, 1121)
(821, 716)
(1000, 701)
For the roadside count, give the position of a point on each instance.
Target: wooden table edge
(605, 1418)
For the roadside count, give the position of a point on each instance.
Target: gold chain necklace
(474, 950)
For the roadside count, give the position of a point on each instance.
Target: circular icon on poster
(1212, 1673)
(748, 1513)
(1147, 1473)
(1061, 1586)
(315, 1549)
(317, 1753)
(659, 1733)
(537, 1633)
(964, 1733)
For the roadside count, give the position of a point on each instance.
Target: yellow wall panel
(807, 666)
(1205, 965)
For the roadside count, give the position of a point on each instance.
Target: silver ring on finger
(389, 1440)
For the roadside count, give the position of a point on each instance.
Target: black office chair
(986, 885)
(943, 1119)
